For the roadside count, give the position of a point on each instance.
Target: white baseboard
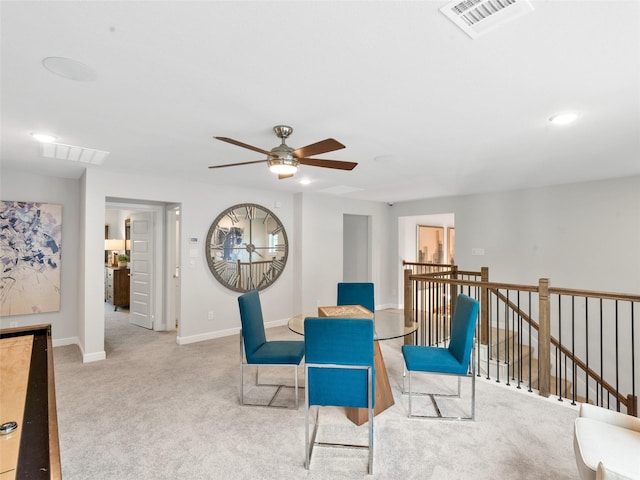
(206, 336)
(63, 342)
(201, 337)
(93, 357)
(389, 305)
(86, 357)
(276, 323)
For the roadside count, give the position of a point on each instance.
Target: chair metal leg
(241, 369)
(370, 408)
(410, 411)
(310, 440)
(432, 396)
(258, 384)
(295, 368)
(309, 443)
(473, 390)
(306, 433)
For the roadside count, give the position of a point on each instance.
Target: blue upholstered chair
(339, 372)
(356, 293)
(255, 348)
(456, 359)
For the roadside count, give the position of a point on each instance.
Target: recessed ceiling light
(305, 181)
(70, 69)
(563, 118)
(44, 137)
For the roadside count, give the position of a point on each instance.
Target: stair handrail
(493, 287)
(578, 362)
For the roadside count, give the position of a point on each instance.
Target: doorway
(154, 255)
(356, 248)
(409, 243)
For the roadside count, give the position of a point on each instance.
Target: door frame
(173, 266)
(357, 259)
(159, 285)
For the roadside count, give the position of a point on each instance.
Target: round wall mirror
(246, 247)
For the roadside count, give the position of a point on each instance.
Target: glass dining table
(388, 324)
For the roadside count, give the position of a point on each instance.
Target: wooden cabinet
(116, 286)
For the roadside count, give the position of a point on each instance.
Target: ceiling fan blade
(324, 146)
(338, 164)
(244, 145)
(236, 164)
(281, 176)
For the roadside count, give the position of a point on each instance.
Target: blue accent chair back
(252, 323)
(356, 293)
(339, 367)
(453, 360)
(340, 341)
(258, 351)
(463, 327)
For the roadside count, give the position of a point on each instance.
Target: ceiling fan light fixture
(282, 168)
(284, 160)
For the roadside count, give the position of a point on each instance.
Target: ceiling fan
(284, 160)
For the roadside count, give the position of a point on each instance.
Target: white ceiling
(425, 110)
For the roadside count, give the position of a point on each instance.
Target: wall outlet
(477, 251)
(210, 315)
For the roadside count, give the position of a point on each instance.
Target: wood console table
(116, 286)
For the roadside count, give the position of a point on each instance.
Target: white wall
(580, 235)
(315, 260)
(584, 235)
(115, 218)
(321, 218)
(200, 204)
(314, 226)
(22, 186)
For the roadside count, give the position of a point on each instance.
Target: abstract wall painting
(30, 240)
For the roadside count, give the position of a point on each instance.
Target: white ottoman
(606, 444)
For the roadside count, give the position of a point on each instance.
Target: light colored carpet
(156, 410)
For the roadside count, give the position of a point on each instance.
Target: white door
(141, 270)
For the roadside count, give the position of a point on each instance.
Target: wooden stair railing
(627, 401)
(449, 276)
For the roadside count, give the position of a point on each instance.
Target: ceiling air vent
(476, 17)
(73, 153)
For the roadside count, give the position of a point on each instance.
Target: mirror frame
(260, 272)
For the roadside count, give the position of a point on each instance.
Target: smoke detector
(476, 17)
